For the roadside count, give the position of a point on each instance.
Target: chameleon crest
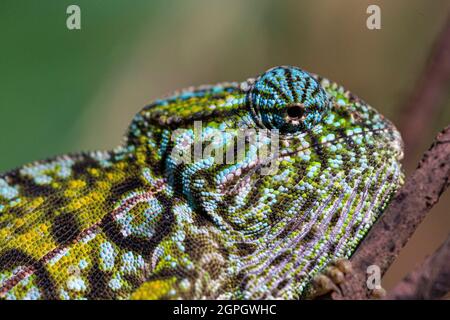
(236, 191)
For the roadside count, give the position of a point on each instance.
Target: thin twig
(403, 215)
(430, 280)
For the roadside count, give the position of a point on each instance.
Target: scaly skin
(135, 223)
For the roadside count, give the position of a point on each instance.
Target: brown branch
(404, 214)
(430, 280)
(427, 94)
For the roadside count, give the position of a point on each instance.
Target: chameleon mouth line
(244, 176)
(338, 139)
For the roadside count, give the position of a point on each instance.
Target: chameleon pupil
(295, 112)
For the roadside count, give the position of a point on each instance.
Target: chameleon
(189, 206)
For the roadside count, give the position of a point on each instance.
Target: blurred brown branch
(430, 280)
(404, 214)
(423, 104)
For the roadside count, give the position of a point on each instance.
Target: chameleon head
(238, 190)
(291, 168)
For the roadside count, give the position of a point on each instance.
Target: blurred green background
(70, 90)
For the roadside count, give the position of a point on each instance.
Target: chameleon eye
(288, 99)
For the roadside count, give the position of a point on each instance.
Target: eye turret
(288, 99)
